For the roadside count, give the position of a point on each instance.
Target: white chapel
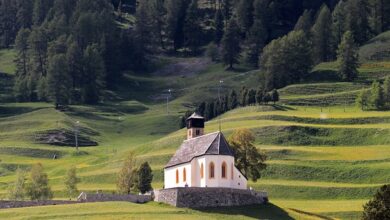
(203, 160)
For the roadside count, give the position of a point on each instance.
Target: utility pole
(220, 103)
(170, 92)
(76, 132)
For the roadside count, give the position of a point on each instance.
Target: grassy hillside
(326, 158)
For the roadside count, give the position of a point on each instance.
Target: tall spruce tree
(58, 80)
(8, 22)
(233, 101)
(357, 20)
(218, 27)
(144, 178)
(304, 22)
(244, 15)
(339, 22)
(231, 44)
(380, 15)
(22, 64)
(347, 58)
(322, 36)
(192, 27)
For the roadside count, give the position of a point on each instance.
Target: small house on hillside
(203, 160)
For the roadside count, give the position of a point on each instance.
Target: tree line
(36, 186)
(70, 51)
(246, 97)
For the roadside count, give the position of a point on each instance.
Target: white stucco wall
(193, 172)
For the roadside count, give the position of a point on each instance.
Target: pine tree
(145, 178)
(144, 26)
(93, 75)
(227, 6)
(252, 97)
(244, 14)
(127, 176)
(24, 14)
(274, 96)
(244, 96)
(192, 27)
(378, 208)
(58, 80)
(339, 22)
(71, 180)
(233, 102)
(380, 13)
(176, 13)
(347, 58)
(304, 22)
(322, 36)
(357, 20)
(376, 100)
(231, 44)
(257, 38)
(22, 65)
(37, 186)
(218, 27)
(158, 13)
(259, 95)
(8, 22)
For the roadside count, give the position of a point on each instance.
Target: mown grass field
(326, 158)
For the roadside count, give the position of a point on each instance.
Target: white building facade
(203, 161)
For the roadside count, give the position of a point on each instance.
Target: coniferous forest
(69, 51)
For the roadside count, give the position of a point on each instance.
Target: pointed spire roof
(195, 116)
(210, 144)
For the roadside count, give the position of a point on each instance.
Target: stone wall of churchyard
(100, 197)
(209, 197)
(83, 198)
(21, 204)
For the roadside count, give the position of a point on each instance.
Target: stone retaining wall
(193, 197)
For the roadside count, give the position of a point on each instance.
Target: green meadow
(326, 158)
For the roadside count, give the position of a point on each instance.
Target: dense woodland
(70, 51)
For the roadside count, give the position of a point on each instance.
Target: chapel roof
(195, 116)
(209, 144)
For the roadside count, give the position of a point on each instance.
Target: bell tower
(195, 126)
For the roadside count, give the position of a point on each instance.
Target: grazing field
(326, 158)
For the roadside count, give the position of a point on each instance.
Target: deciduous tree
(249, 160)
(127, 177)
(37, 186)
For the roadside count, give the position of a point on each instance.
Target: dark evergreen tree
(209, 112)
(144, 178)
(357, 20)
(244, 14)
(58, 80)
(339, 22)
(259, 95)
(274, 96)
(24, 14)
(380, 13)
(378, 208)
(8, 22)
(231, 44)
(218, 27)
(322, 36)
(201, 109)
(348, 58)
(244, 96)
(22, 65)
(176, 13)
(158, 13)
(304, 22)
(252, 97)
(93, 75)
(192, 27)
(233, 101)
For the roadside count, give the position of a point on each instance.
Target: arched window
(211, 170)
(201, 171)
(177, 176)
(232, 174)
(223, 170)
(184, 175)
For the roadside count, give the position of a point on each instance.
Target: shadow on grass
(8, 111)
(267, 211)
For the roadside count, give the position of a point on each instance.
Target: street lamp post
(76, 132)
